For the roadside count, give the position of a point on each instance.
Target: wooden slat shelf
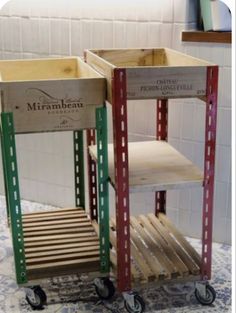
(158, 251)
(155, 165)
(201, 36)
(56, 244)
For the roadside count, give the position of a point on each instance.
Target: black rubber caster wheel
(107, 291)
(209, 298)
(38, 299)
(139, 305)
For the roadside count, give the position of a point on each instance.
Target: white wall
(37, 29)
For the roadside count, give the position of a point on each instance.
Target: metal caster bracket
(30, 294)
(98, 283)
(36, 297)
(201, 287)
(129, 298)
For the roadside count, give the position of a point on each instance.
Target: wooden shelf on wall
(200, 36)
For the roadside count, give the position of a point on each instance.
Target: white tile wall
(153, 34)
(30, 29)
(119, 38)
(223, 163)
(35, 29)
(166, 28)
(223, 132)
(12, 38)
(225, 93)
(142, 34)
(187, 120)
(60, 37)
(199, 122)
(180, 15)
(168, 11)
(44, 36)
(76, 33)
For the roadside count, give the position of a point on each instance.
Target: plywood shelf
(57, 245)
(155, 165)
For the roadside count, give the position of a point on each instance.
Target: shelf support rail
(92, 176)
(79, 168)
(103, 176)
(209, 169)
(161, 134)
(13, 194)
(120, 133)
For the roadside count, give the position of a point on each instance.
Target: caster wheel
(209, 298)
(36, 297)
(139, 305)
(106, 290)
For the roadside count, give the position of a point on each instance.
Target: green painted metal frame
(79, 168)
(13, 194)
(11, 182)
(4, 168)
(103, 189)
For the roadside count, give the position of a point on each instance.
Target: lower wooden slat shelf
(65, 212)
(159, 252)
(60, 242)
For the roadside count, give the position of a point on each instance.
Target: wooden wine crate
(51, 94)
(152, 73)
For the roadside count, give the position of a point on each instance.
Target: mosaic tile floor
(12, 298)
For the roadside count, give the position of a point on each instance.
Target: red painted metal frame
(120, 133)
(160, 202)
(161, 134)
(209, 169)
(162, 119)
(92, 176)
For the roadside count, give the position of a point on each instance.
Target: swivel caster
(104, 288)
(134, 303)
(205, 294)
(36, 297)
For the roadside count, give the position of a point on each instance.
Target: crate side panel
(176, 58)
(128, 57)
(102, 67)
(53, 105)
(28, 70)
(165, 82)
(85, 71)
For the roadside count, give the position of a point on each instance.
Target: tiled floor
(12, 298)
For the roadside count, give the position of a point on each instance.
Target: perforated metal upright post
(79, 168)
(12, 185)
(209, 170)
(120, 133)
(103, 192)
(161, 134)
(92, 176)
(4, 168)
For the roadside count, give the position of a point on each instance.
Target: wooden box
(152, 73)
(51, 94)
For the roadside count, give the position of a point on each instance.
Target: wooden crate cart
(56, 95)
(150, 248)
